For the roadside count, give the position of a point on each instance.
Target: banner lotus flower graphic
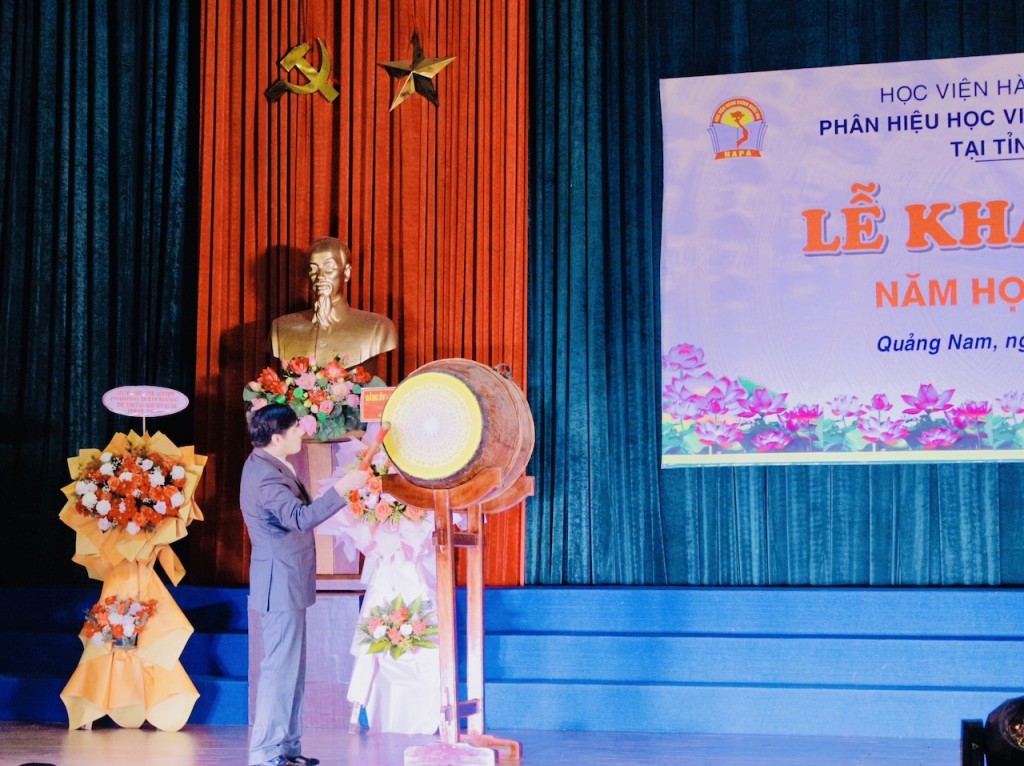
(707, 417)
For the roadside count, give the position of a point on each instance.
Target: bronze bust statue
(332, 328)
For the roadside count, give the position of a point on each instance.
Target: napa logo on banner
(737, 129)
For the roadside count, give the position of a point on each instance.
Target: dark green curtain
(96, 248)
(604, 512)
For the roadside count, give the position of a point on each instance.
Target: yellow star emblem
(418, 73)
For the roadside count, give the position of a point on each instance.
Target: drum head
(436, 426)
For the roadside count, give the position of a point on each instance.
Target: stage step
(742, 661)
(41, 654)
(851, 662)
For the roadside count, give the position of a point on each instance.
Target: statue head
(330, 267)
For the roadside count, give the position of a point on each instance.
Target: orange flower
(373, 484)
(399, 616)
(414, 514)
(117, 631)
(358, 508)
(334, 371)
(298, 365)
(361, 376)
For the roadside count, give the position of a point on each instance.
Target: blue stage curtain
(96, 253)
(604, 512)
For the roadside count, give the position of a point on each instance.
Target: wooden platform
(218, 745)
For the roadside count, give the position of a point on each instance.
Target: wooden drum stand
(486, 492)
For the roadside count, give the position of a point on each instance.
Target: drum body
(453, 418)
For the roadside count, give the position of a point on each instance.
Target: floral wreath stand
(141, 679)
(484, 493)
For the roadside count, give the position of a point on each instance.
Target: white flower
(106, 457)
(406, 630)
(126, 477)
(147, 464)
(178, 473)
(129, 628)
(156, 479)
(82, 488)
(379, 460)
(371, 500)
(107, 469)
(136, 493)
(132, 528)
(89, 500)
(97, 638)
(177, 500)
(161, 508)
(380, 632)
(104, 523)
(115, 619)
(135, 608)
(103, 507)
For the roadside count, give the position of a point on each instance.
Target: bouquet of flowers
(118, 621)
(396, 628)
(326, 398)
(374, 506)
(133, 489)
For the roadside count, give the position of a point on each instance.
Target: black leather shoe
(301, 760)
(277, 760)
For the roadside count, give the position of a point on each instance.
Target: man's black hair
(269, 420)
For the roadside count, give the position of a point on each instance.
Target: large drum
(452, 418)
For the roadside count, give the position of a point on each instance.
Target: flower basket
(325, 398)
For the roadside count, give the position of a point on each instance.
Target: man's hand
(350, 481)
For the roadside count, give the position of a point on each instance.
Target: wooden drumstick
(371, 451)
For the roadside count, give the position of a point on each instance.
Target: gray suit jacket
(280, 518)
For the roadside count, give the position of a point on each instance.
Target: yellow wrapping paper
(135, 685)
(148, 682)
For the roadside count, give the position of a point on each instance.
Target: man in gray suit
(280, 517)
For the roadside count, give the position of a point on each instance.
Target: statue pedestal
(330, 624)
(338, 566)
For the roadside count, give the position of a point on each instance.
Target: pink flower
(414, 514)
(937, 438)
(724, 435)
(928, 400)
(711, 395)
(352, 400)
(306, 381)
(419, 627)
(970, 413)
(676, 400)
(773, 440)
(308, 424)
(395, 636)
(342, 389)
(1012, 403)
(886, 431)
(802, 416)
(846, 407)
(382, 512)
(326, 406)
(373, 623)
(880, 403)
(683, 357)
(762, 403)
(258, 403)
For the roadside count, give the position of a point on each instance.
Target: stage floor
(218, 745)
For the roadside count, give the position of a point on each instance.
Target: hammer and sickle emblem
(317, 80)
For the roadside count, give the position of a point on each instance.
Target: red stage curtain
(431, 201)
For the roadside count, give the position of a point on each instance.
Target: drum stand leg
(481, 747)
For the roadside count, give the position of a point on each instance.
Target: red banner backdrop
(432, 202)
